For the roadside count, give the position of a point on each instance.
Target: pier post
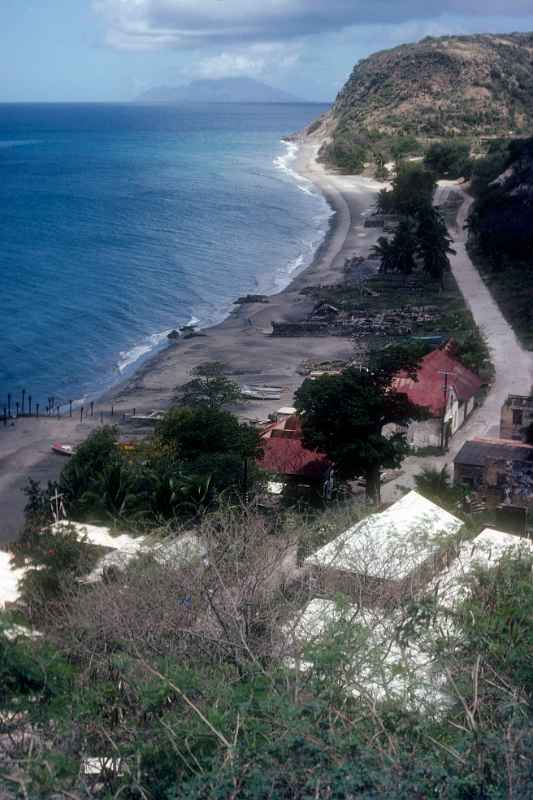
(29, 405)
(134, 412)
(58, 411)
(92, 408)
(9, 405)
(37, 410)
(112, 411)
(70, 407)
(17, 407)
(81, 414)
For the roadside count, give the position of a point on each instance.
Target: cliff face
(481, 84)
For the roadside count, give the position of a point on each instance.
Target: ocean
(119, 223)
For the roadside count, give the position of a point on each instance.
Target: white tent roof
(9, 578)
(101, 536)
(484, 551)
(377, 665)
(187, 549)
(391, 544)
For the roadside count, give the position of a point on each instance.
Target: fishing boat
(63, 449)
(261, 392)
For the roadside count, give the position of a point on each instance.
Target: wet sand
(243, 342)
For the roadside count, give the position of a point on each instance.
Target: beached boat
(63, 449)
(261, 392)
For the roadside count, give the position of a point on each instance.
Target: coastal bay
(243, 342)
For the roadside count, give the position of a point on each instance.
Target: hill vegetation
(454, 86)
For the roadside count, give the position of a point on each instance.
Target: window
(518, 416)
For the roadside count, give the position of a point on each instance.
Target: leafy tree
(210, 387)
(434, 244)
(209, 442)
(413, 189)
(449, 159)
(345, 415)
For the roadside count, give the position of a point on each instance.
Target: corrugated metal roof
(392, 544)
(480, 452)
(288, 456)
(428, 390)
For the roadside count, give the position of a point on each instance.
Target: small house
(447, 389)
(501, 470)
(385, 555)
(289, 461)
(516, 417)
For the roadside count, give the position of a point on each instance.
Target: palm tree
(434, 244)
(404, 245)
(385, 251)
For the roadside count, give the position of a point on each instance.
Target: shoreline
(242, 341)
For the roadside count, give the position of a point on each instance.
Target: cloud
(156, 24)
(255, 60)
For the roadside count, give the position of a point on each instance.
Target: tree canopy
(210, 387)
(345, 415)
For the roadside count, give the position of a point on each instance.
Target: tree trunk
(373, 485)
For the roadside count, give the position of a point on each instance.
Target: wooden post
(9, 405)
(37, 410)
(112, 411)
(92, 408)
(81, 414)
(134, 412)
(29, 405)
(70, 407)
(58, 411)
(17, 407)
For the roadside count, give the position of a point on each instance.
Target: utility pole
(443, 425)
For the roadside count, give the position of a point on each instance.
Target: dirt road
(513, 365)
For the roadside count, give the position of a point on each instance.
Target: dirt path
(513, 365)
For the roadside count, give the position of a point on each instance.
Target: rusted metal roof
(429, 389)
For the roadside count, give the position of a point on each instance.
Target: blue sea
(119, 223)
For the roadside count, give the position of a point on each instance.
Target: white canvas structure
(180, 552)
(376, 667)
(9, 578)
(484, 551)
(101, 536)
(392, 544)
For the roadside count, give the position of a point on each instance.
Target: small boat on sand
(63, 449)
(261, 392)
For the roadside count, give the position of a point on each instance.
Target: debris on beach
(251, 298)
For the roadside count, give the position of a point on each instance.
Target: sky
(112, 50)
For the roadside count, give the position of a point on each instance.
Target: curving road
(512, 363)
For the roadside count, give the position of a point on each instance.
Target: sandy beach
(243, 342)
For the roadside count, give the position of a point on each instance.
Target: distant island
(224, 90)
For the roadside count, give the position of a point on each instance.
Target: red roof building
(439, 374)
(285, 454)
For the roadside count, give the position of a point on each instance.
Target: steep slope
(480, 84)
(226, 90)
